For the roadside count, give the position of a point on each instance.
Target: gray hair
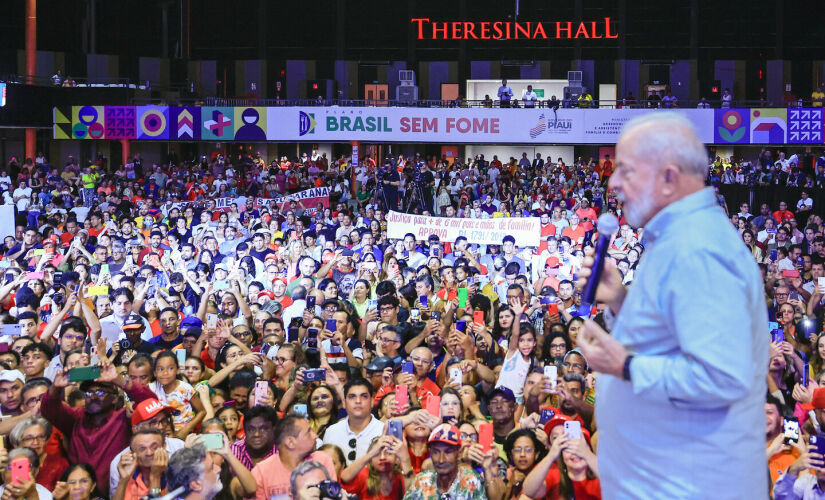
(16, 434)
(185, 466)
(670, 139)
(34, 460)
(304, 468)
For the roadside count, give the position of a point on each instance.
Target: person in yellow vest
(585, 100)
(817, 97)
(89, 180)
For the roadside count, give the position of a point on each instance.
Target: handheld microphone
(607, 225)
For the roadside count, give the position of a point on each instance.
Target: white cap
(12, 375)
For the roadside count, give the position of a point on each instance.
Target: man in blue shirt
(505, 93)
(680, 404)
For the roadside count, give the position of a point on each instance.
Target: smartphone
(773, 255)
(220, 285)
(436, 315)
(292, 334)
(415, 314)
(402, 396)
(462, 297)
(546, 416)
(478, 317)
(423, 300)
(794, 295)
(395, 428)
(211, 321)
(805, 371)
(573, 429)
(434, 405)
(777, 335)
(300, 409)
(407, 367)
(20, 470)
(13, 330)
(312, 339)
(546, 301)
(790, 429)
(461, 325)
(470, 281)
(818, 440)
(552, 372)
(311, 302)
(84, 373)
(373, 304)
(261, 388)
(104, 269)
(790, 273)
(485, 437)
(552, 309)
(332, 325)
(455, 375)
(820, 282)
(265, 347)
(212, 441)
(315, 375)
(181, 354)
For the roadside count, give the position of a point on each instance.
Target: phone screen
(790, 429)
(310, 301)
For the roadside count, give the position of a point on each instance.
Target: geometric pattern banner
(769, 126)
(537, 126)
(804, 125)
(152, 122)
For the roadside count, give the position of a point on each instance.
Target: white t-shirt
(514, 372)
(809, 202)
(23, 203)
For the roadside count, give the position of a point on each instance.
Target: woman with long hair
(577, 473)
(322, 408)
(382, 473)
(750, 241)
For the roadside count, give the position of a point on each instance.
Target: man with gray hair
(193, 469)
(305, 481)
(685, 365)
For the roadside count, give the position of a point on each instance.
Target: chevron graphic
(186, 125)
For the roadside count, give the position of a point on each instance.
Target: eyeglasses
(526, 450)
(98, 393)
(245, 333)
(385, 309)
(384, 340)
(469, 436)
(281, 359)
(577, 366)
(31, 439)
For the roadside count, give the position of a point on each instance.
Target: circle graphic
(152, 123)
(96, 130)
(732, 120)
(87, 115)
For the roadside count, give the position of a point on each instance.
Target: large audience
(157, 340)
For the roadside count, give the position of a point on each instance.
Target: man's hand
(610, 290)
(810, 459)
(126, 466)
(777, 446)
(602, 352)
(159, 463)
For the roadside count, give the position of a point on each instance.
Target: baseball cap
(502, 391)
(552, 262)
(346, 252)
(133, 321)
(445, 433)
(560, 419)
(12, 375)
(222, 267)
(147, 409)
(817, 402)
(380, 364)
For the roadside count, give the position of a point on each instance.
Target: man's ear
(196, 485)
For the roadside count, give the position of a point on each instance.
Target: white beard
(216, 488)
(638, 212)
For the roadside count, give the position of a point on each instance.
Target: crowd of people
(152, 342)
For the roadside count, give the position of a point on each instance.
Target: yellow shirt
(817, 98)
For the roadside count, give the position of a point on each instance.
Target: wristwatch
(626, 367)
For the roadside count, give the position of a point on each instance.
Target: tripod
(416, 194)
(379, 188)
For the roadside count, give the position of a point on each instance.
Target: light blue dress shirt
(691, 424)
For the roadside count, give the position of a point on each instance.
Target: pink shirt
(273, 478)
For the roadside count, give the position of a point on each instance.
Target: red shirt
(589, 489)
(782, 215)
(358, 486)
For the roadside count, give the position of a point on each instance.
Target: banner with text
(308, 200)
(526, 230)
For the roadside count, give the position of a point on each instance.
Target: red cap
(445, 433)
(147, 409)
(560, 419)
(817, 402)
(552, 262)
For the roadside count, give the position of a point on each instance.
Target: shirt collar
(691, 203)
